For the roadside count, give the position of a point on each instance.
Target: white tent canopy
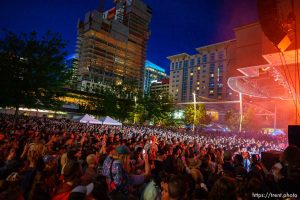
(109, 121)
(88, 119)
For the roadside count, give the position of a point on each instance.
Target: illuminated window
(199, 68)
(211, 91)
(198, 83)
(212, 75)
(198, 88)
(192, 74)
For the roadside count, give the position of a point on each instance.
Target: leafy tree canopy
(32, 70)
(232, 119)
(199, 117)
(155, 106)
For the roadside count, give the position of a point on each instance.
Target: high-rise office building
(112, 45)
(152, 73)
(203, 73)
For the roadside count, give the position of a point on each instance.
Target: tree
(32, 70)
(232, 119)
(248, 122)
(189, 113)
(155, 107)
(201, 117)
(125, 106)
(168, 120)
(109, 104)
(139, 115)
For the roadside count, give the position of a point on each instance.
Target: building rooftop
(154, 66)
(178, 56)
(215, 44)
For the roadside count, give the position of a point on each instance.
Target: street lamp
(194, 94)
(134, 116)
(241, 112)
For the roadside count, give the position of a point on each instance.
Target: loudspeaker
(269, 158)
(294, 135)
(271, 20)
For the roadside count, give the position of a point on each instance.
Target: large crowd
(57, 159)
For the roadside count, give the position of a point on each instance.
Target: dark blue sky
(177, 25)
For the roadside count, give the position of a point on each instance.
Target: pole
(275, 116)
(194, 94)
(241, 111)
(134, 110)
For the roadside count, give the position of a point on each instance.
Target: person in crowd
(116, 170)
(177, 188)
(201, 191)
(246, 161)
(90, 173)
(228, 167)
(193, 160)
(253, 186)
(240, 171)
(291, 170)
(138, 160)
(178, 160)
(224, 189)
(71, 172)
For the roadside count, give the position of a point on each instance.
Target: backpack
(114, 187)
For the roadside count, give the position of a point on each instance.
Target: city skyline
(176, 26)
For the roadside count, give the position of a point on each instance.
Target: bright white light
(178, 114)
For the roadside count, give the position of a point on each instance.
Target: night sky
(177, 26)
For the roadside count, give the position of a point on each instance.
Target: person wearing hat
(118, 172)
(116, 168)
